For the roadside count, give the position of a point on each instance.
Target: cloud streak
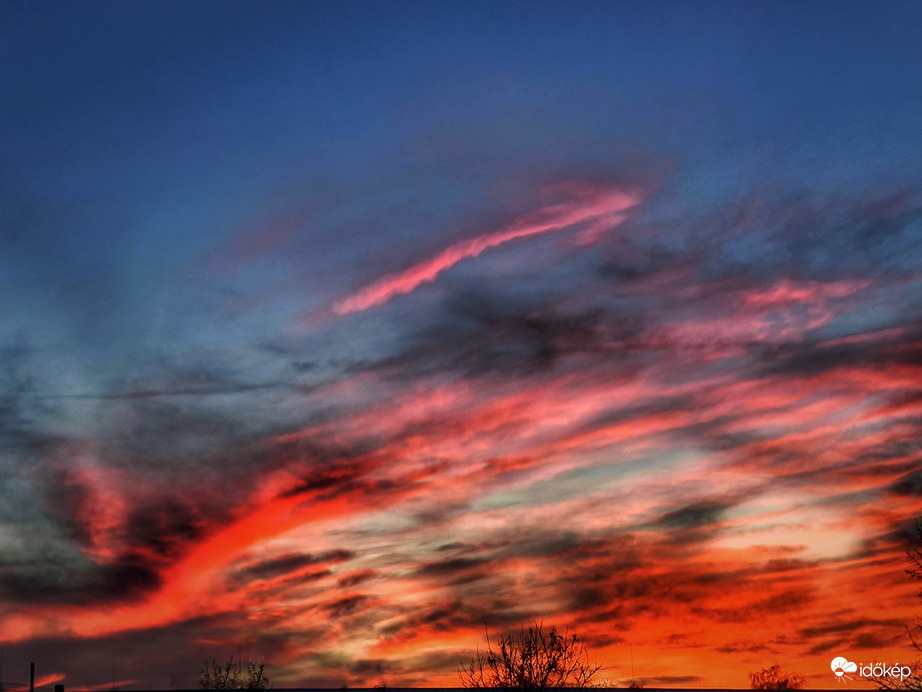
(602, 206)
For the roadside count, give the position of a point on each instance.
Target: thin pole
(32, 677)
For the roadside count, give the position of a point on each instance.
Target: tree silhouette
(914, 681)
(775, 678)
(232, 676)
(534, 659)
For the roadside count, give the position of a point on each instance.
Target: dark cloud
(620, 550)
(874, 640)
(58, 580)
(695, 515)
(743, 647)
(494, 334)
(908, 484)
(269, 569)
(345, 606)
(826, 646)
(634, 411)
(813, 357)
(810, 235)
(897, 447)
(842, 235)
(23, 408)
(452, 546)
(334, 480)
(167, 657)
(459, 614)
(500, 335)
(786, 601)
(849, 627)
(452, 566)
(154, 535)
(354, 579)
(163, 529)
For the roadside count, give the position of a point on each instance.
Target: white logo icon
(840, 666)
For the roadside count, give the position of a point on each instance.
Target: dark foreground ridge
(544, 689)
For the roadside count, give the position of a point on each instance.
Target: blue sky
(140, 137)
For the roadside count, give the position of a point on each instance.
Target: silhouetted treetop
(533, 658)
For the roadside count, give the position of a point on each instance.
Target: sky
(335, 335)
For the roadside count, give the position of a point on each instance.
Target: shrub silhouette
(534, 659)
(775, 678)
(232, 676)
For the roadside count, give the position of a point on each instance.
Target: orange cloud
(185, 588)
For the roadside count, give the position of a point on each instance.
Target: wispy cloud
(600, 206)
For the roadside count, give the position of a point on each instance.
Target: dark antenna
(632, 663)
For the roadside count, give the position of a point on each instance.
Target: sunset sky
(333, 333)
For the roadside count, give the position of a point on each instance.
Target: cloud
(656, 432)
(603, 207)
(284, 564)
(908, 484)
(695, 515)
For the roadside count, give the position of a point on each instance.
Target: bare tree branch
(532, 659)
(775, 678)
(232, 676)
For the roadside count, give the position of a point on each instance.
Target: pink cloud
(786, 292)
(600, 206)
